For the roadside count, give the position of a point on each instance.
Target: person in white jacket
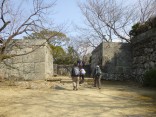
(82, 74)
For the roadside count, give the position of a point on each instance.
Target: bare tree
(19, 19)
(114, 19)
(82, 47)
(146, 9)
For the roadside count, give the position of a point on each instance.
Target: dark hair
(75, 64)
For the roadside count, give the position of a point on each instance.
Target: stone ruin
(144, 54)
(36, 63)
(114, 59)
(120, 61)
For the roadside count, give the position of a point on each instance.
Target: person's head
(75, 64)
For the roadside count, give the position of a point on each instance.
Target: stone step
(66, 79)
(70, 80)
(88, 80)
(53, 79)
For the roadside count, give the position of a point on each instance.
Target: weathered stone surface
(38, 64)
(39, 67)
(30, 76)
(121, 60)
(29, 58)
(40, 76)
(17, 59)
(28, 68)
(144, 53)
(39, 55)
(114, 59)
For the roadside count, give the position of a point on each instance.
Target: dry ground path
(46, 99)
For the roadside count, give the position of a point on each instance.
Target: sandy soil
(49, 99)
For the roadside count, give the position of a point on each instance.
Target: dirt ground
(54, 99)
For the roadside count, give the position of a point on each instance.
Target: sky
(65, 12)
(68, 12)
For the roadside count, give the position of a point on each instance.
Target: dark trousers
(97, 81)
(81, 79)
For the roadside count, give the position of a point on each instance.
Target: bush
(150, 78)
(143, 28)
(139, 28)
(135, 27)
(152, 22)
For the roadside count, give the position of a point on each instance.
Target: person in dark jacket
(97, 77)
(75, 72)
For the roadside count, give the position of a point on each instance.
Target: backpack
(98, 72)
(76, 71)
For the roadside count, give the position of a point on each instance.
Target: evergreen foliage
(150, 78)
(139, 28)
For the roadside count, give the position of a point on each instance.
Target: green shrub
(135, 27)
(142, 28)
(139, 28)
(152, 22)
(150, 78)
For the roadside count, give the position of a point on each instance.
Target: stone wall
(114, 60)
(144, 53)
(38, 64)
(123, 61)
(65, 70)
(96, 58)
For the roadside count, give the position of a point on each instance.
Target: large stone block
(29, 76)
(28, 68)
(39, 76)
(17, 59)
(39, 55)
(29, 58)
(37, 63)
(40, 67)
(17, 69)
(119, 69)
